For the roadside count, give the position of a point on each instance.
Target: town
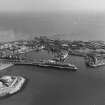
(16, 53)
(61, 49)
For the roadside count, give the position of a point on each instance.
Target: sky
(52, 5)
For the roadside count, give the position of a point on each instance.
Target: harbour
(46, 83)
(48, 86)
(86, 86)
(4, 66)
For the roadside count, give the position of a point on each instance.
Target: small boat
(10, 84)
(55, 64)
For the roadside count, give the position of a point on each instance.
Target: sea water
(49, 86)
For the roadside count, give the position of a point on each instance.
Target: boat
(55, 64)
(95, 60)
(10, 84)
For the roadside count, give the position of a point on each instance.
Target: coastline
(4, 66)
(87, 82)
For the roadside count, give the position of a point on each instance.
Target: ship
(10, 85)
(54, 63)
(95, 60)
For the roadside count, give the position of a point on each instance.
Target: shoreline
(4, 66)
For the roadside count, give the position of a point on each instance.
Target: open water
(71, 26)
